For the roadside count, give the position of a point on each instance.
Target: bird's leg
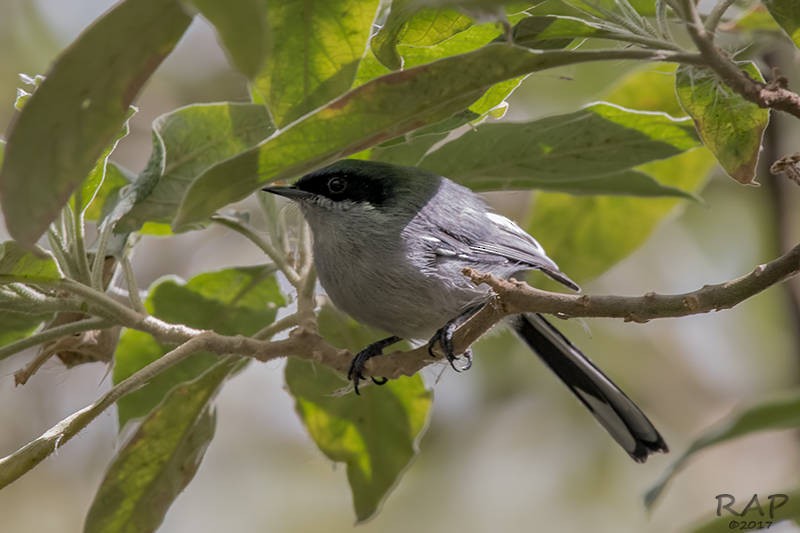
(444, 336)
(358, 362)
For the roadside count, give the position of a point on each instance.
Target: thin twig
(98, 264)
(773, 95)
(15, 465)
(79, 243)
(252, 235)
(130, 281)
(53, 334)
(715, 16)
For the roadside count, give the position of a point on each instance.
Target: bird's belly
(409, 304)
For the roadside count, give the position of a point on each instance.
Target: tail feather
(617, 413)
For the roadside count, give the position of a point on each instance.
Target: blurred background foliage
(508, 448)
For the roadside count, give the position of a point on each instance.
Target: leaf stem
(52, 334)
(18, 463)
(130, 281)
(250, 233)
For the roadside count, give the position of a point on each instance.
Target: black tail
(616, 412)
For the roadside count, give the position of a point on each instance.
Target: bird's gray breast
(391, 280)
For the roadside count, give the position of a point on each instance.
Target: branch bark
(774, 94)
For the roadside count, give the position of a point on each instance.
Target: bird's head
(359, 187)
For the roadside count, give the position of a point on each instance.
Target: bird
(390, 244)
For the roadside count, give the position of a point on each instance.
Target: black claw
(355, 375)
(444, 337)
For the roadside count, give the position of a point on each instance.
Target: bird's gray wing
(497, 241)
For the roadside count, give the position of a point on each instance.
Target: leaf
(186, 142)
(314, 49)
(381, 109)
(563, 150)
(787, 14)
(757, 18)
(16, 325)
(774, 414)
(243, 29)
(79, 109)
(106, 197)
(375, 434)
(232, 301)
(534, 32)
(583, 234)
(160, 459)
(413, 24)
(730, 126)
(20, 265)
(85, 195)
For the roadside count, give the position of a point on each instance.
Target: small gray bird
(390, 244)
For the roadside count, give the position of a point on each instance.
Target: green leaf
(160, 458)
(85, 195)
(186, 142)
(79, 109)
(730, 126)
(564, 150)
(375, 434)
(232, 301)
(314, 51)
(787, 14)
(243, 28)
(651, 88)
(583, 234)
(757, 18)
(381, 109)
(411, 23)
(106, 197)
(535, 32)
(778, 413)
(16, 325)
(20, 265)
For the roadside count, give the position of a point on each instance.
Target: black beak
(291, 192)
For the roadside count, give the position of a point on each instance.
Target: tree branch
(773, 95)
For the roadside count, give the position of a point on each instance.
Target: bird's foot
(355, 374)
(444, 338)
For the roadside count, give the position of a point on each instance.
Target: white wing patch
(512, 227)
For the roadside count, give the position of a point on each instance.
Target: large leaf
(186, 142)
(107, 195)
(85, 195)
(19, 265)
(568, 150)
(232, 301)
(411, 23)
(314, 49)
(381, 109)
(787, 14)
(78, 110)
(773, 414)
(159, 459)
(583, 234)
(374, 434)
(243, 29)
(730, 126)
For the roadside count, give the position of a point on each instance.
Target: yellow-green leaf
(80, 107)
(787, 14)
(730, 126)
(159, 459)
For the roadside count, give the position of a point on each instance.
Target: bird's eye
(337, 185)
